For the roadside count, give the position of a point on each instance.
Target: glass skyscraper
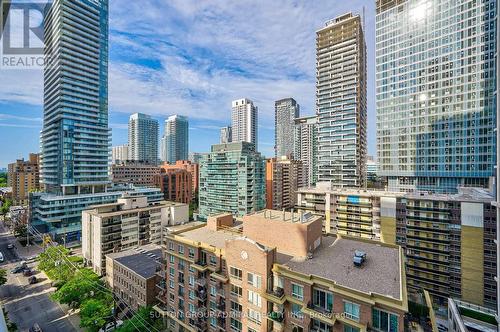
(285, 112)
(175, 142)
(75, 140)
(341, 101)
(435, 88)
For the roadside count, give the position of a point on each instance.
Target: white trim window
(298, 291)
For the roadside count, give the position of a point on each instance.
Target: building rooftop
(211, 237)
(333, 260)
(141, 260)
(291, 217)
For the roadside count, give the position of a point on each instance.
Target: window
(349, 328)
(384, 321)
(213, 260)
(191, 280)
(297, 292)
(171, 246)
(236, 325)
(237, 291)
(320, 326)
(351, 310)
(191, 294)
(180, 248)
(254, 279)
(235, 306)
(235, 273)
(213, 321)
(296, 311)
(322, 299)
(171, 271)
(171, 284)
(191, 307)
(172, 259)
(213, 291)
(254, 298)
(191, 252)
(254, 316)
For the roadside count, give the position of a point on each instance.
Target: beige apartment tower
(341, 101)
(24, 177)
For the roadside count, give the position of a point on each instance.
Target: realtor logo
(22, 33)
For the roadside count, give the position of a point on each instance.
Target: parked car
(32, 280)
(10, 246)
(36, 328)
(19, 268)
(111, 326)
(1, 257)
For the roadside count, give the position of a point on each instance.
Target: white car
(1, 257)
(111, 326)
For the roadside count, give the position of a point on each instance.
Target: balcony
(200, 266)
(277, 316)
(162, 284)
(276, 295)
(218, 275)
(201, 295)
(201, 282)
(319, 313)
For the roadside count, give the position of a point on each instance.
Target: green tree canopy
(94, 313)
(54, 262)
(83, 284)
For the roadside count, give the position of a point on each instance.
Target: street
(29, 304)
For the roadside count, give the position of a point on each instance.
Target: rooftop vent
(359, 258)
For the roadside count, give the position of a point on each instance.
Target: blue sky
(193, 58)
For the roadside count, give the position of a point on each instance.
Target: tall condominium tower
(306, 147)
(75, 135)
(283, 178)
(285, 113)
(226, 134)
(244, 121)
(175, 142)
(143, 138)
(341, 101)
(435, 68)
(119, 154)
(232, 179)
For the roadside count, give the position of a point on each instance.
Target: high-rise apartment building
(244, 121)
(341, 101)
(143, 138)
(175, 142)
(127, 223)
(285, 113)
(24, 177)
(276, 272)
(306, 147)
(195, 157)
(283, 178)
(448, 238)
(119, 154)
(75, 135)
(436, 93)
(231, 180)
(226, 135)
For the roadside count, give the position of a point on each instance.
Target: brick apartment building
(23, 176)
(245, 275)
(131, 274)
(192, 168)
(136, 172)
(176, 184)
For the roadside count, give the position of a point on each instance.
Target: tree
(94, 313)
(6, 204)
(143, 317)
(53, 261)
(83, 284)
(20, 230)
(3, 277)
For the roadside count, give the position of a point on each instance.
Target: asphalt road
(29, 304)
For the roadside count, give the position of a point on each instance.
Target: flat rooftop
(210, 237)
(333, 260)
(142, 260)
